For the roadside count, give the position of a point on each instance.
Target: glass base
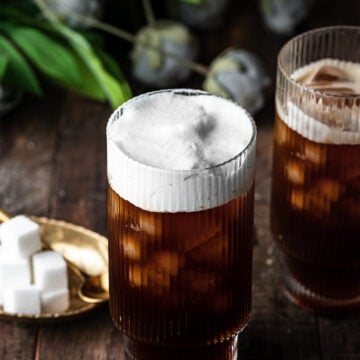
(305, 298)
(135, 350)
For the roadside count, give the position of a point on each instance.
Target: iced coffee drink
(315, 207)
(180, 210)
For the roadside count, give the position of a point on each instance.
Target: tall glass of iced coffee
(180, 210)
(315, 206)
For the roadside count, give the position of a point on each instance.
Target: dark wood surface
(53, 163)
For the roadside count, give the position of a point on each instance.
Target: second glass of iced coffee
(180, 210)
(315, 208)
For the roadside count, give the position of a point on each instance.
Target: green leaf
(116, 92)
(18, 73)
(111, 65)
(88, 85)
(48, 55)
(98, 75)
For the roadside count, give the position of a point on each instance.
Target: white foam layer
(323, 121)
(185, 151)
(315, 130)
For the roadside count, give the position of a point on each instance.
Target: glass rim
(187, 92)
(303, 87)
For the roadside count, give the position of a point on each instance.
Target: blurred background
(241, 24)
(133, 41)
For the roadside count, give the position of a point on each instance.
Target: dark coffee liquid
(315, 215)
(180, 279)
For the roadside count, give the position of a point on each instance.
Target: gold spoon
(84, 251)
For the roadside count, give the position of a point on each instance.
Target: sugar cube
(55, 301)
(14, 272)
(50, 272)
(24, 300)
(20, 236)
(21, 263)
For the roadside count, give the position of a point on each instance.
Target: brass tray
(85, 249)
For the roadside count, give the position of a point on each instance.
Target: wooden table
(53, 163)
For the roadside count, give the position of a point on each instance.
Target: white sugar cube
(14, 272)
(50, 272)
(24, 300)
(55, 301)
(20, 237)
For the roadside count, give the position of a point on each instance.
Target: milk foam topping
(180, 150)
(326, 119)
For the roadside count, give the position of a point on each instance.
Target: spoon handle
(4, 216)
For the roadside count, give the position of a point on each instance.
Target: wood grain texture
(78, 189)
(17, 341)
(27, 145)
(91, 337)
(340, 339)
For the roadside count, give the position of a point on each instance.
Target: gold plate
(84, 248)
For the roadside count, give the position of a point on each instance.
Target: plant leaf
(48, 55)
(115, 91)
(18, 72)
(98, 74)
(88, 85)
(111, 65)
